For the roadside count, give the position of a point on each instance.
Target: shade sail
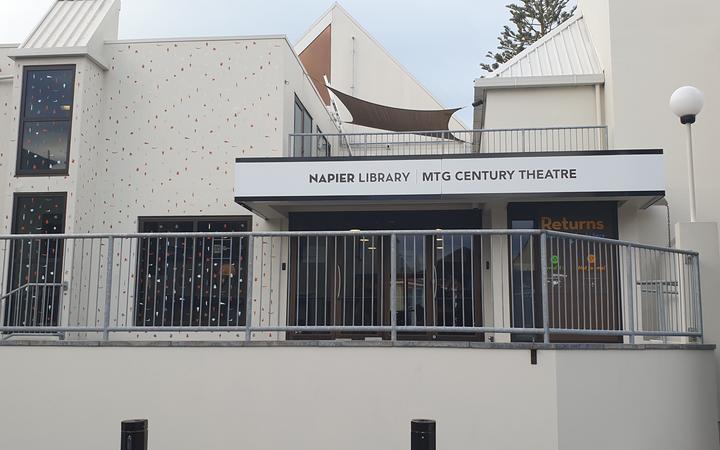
(383, 117)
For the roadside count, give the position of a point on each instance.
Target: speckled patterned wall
(157, 134)
(7, 68)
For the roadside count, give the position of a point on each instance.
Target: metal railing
(537, 286)
(517, 140)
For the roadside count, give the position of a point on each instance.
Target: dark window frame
(195, 219)
(305, 148)
(18, 195)
(13, 230)
(142, 220)
(19, 172)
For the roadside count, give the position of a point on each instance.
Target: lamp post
(686, 103)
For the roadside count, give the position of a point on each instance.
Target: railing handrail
(485, 232)
(478, 130)
(158, 282)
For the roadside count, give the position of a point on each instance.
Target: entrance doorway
(346, 280)
(583, 278)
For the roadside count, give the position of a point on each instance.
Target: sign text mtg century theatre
(612, 172)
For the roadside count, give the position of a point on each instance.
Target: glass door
(454, 279)
(346, 280)
(582, 276)
(411, 282)
(358, 298)
(438, 284)
(336, 281)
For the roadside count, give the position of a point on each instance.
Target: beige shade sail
(388, 118)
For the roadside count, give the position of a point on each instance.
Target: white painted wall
(371, 73)
(649, 48)
(634, 400)
(540, 107)
(354, 398)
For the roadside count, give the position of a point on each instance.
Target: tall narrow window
(192, 281)
(45, 121)
(303, 124)
(35, 265)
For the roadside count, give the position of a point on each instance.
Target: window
(323, 146)
(583, 277)
(303, 124)
(35, 265)
(192, 281)
(45, 120)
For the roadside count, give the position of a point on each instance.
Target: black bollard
(422, 434)
(134, 434)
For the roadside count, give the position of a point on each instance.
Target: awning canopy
(388, 118)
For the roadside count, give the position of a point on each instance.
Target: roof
(69, 23)
(566, 54)
(73, 27)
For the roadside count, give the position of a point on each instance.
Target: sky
(441, 42)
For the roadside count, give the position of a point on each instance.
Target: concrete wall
(649, 48)
(669, 400)
(354, 398)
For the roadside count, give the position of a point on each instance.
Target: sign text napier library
(463, 175)
(288, 178)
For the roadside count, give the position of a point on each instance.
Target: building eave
(57, 52)
(540, 81)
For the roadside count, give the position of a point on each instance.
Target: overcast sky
(441, 42)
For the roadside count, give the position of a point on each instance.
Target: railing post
(250, 281)
(393, 287)
(606, 144)
(108, 288)
(544, 288)
(631, 294)
(291, 149)
(698, 295)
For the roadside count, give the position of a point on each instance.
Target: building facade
(307, 227)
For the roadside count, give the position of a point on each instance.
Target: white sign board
(285, 178)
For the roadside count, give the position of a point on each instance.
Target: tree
(531, 20)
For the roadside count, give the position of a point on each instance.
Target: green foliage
(530, 20)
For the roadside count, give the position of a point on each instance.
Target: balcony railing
(518, 140)
(542, 286)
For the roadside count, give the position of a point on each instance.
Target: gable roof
(567, 52)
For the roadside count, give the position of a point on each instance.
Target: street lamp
(686, 103)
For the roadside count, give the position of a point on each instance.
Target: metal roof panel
(69, 23)
(566, 50)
